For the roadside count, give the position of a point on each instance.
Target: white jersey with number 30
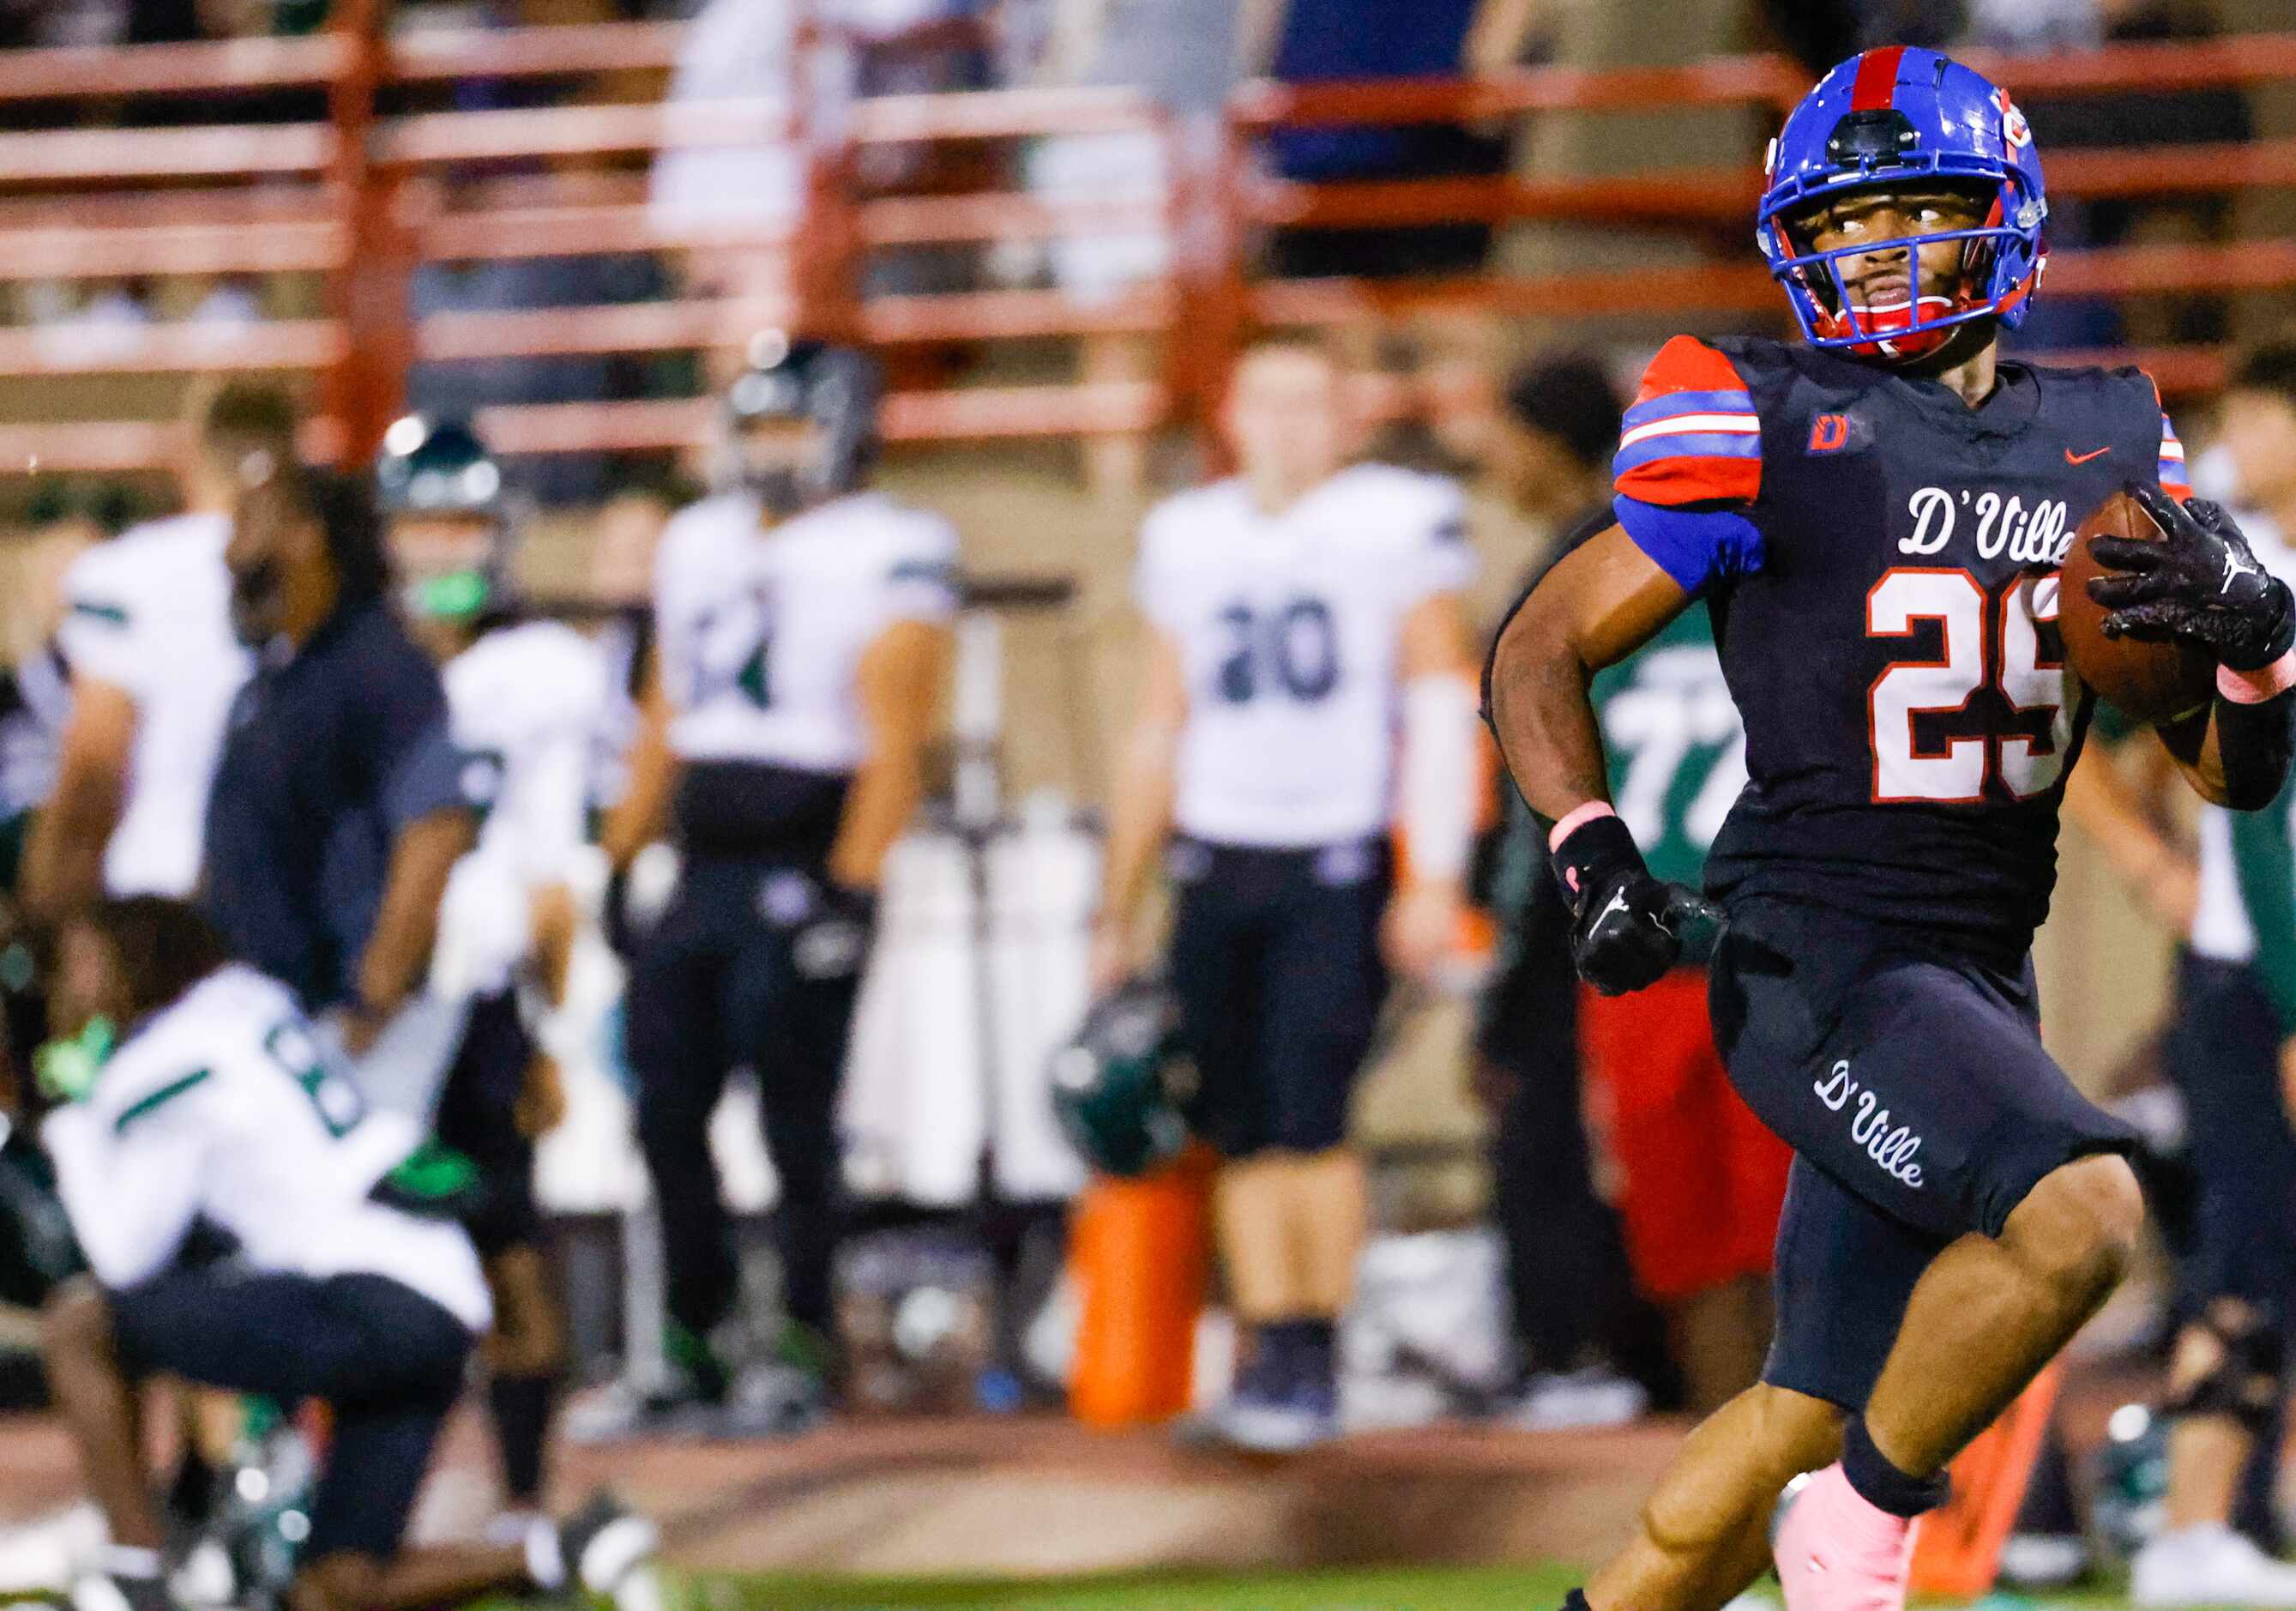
(759, 632)
(220, 1108)
(1289, 627)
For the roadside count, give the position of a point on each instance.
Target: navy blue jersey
(332, 750)
(1880, 563)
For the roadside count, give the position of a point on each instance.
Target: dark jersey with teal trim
(1879, 561)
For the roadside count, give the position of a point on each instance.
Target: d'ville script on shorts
(1894, 1148)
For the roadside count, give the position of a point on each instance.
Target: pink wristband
(1577, 820)
(2254, 687)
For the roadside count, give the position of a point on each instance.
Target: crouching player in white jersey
(799, 640)
(154, 665)
(1301, 612)
(525, 700)
(190, 1094)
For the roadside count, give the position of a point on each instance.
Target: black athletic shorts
(477, 1117)
(1276, 959)
(1909, 1078)
(386, 1361)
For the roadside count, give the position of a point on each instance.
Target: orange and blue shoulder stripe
(1692, 435)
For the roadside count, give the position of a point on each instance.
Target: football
(2146, 682)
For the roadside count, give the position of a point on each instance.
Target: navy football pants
(387, 1362)
(718, 987)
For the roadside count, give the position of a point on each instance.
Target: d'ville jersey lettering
(2038, 535)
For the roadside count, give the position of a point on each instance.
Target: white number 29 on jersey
(1956, 774)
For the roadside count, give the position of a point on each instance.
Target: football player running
(801, 631)
(526, 702)
(1874, 518)
(1300, 611)
(200, 1080)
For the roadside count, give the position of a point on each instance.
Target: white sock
(126, 1560)
(545, 1561)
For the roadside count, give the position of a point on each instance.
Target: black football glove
(831, 938)
(2199, 585)
(1626, 926)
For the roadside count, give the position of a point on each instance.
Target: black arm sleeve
(2255, 742)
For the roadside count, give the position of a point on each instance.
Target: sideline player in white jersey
(154, 666)
(801, 635)
(525, 700)
(1302, 613)
(199, 1080)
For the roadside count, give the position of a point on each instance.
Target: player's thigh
(2224, 1056)
(796, 1028)
(1844, 1274)
(1213, 964)
(288, 1336)
(248, 1332)
(1919, 1084)
(1325, 984)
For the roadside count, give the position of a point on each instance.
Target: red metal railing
(357, 200)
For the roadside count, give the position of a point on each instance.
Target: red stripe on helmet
(1877, 79)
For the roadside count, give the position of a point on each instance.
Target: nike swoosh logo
(2082, 458)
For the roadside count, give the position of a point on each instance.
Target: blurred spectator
(1553, 454)
(68, 22)
(1338, 40)
(53, 23)
(460, 390)
(1183, 53)
(735, 50)
(235, 299)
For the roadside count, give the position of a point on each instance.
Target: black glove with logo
(1626, 926)
(2200, 584)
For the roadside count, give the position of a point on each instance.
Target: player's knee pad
(2244, 1380)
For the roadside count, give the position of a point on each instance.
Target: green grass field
(1486, 1589)
(1483, 1589)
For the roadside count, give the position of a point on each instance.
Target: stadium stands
(331, 217)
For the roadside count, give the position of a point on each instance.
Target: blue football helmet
(1881, 120)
